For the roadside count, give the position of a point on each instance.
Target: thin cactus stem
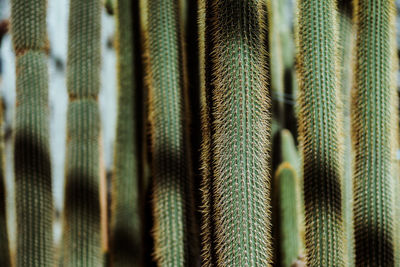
(125, 243)
(175, 242)
(374, 109)
(5, 259)
(236, 119)
(82, 243)
(287, 190)
(33, 185)
(320, 132)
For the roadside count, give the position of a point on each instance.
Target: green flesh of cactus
(81, 229)
(125, 242)
(34, 203)
(320, 132)
(172, 200)
(287, 189)
(374, 133)
(236, 133)
(345, 62)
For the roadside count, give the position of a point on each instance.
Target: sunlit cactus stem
(374, 120)
(82, 242)
(33, 185)
(320, 132)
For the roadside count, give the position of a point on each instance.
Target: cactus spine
(34, 203)
(374, 133)
(125, 218)
(166, 76)
(82, 229)
(320, 131)
(345, 59)
(287, 193)
(5, 259)
(235, 105)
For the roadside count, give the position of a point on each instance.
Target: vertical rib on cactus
(287, 189)
(238, 112)
(208, 253)
(125, 218)
(34, 202)
(345, 61)
(374, 134)
(172, 200)
(82, 230)
(5, 259)
(320, 131)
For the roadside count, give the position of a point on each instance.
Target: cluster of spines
(374, 116)
(235, 117)
(175, 241)
(345, 41)
(82, 243)
(320, 132)
(34, 202)
(125, 228)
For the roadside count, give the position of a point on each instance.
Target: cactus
(125, 218)
(31, 141)
(287, 198)
(82, 226)
(374, 118)
(345, 55)
(235, 105)
(5, 259)
(175, 242)
(320, 131)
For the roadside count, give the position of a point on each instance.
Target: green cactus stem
(82, 243)
(374, 110)
(320, 132)
(236, 125)
(33, 185)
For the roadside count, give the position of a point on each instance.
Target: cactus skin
(235, 104)
(33, 185)
(82, 223)
(374, 110)
(345, 59)
(320, 131)
(287, 196)
(5, 259)
(125, 218)
(172, 193)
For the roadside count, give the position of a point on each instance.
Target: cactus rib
(33, 185)
(320, 132)
(374, 110)
(82, 223)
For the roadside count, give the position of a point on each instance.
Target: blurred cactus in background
(199, 133)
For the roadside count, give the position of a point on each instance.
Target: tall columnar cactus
(125, 218)
(173, 232)
(345, 63)
(5, 259)
(34, 202)
(82, 231)
(320, 132)
(287, 188)
(235, 105)
(374, 133)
